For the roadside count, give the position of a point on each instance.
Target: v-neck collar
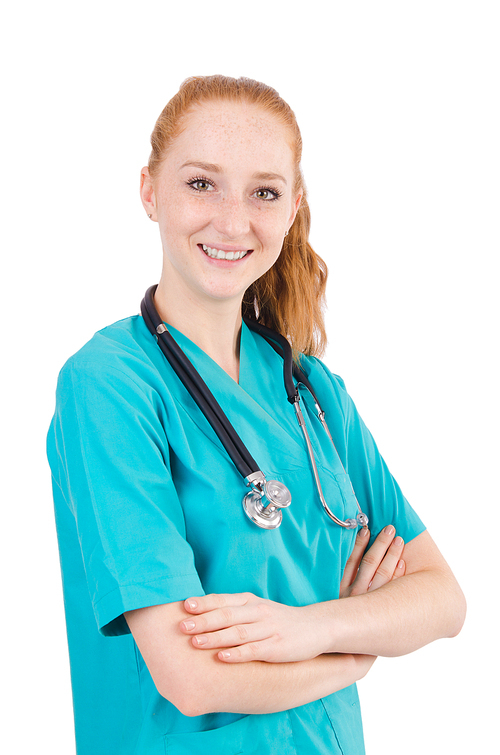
(260, 374)
(260, 366)
(210, 371)
(259, 399)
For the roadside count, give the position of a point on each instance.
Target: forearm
(399, 617)
(259, 687)
(198, 682)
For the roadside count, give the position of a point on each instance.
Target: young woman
(196, 624)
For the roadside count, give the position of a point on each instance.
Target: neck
(213, 325)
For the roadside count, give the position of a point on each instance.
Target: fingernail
(389, 530)
(201, 640)
(224, 654)
(192, 603)
(401, 564)
(188, 625)
(363, 532)
(398, 541)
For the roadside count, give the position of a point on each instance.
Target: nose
(232, 217)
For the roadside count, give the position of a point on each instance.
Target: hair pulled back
(290, 296)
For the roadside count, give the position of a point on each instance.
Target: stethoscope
(264, 503)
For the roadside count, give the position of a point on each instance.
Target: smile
(218, 254)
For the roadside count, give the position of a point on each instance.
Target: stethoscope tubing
(198, 389)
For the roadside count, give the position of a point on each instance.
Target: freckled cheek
(183, 217)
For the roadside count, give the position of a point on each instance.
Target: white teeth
(218, 254)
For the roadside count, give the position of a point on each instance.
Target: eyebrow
(214, 168)
(269, 177)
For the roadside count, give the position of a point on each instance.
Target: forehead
(222, 131)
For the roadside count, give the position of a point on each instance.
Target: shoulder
(126, 347)
(114, 380)
(114, 344)
(120, 363)
(313, 366)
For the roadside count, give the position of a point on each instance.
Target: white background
(399, 108)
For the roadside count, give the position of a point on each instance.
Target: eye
(267, 194)
(200, 184)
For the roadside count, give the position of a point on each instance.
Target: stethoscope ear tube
(198, 389)
(281, 345)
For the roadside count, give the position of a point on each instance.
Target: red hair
(290, 296)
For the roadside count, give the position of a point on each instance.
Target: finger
(400, 569)
(210, 602)
(389, 564)
(252, 651)
(354, 560)
(372, 559)
(232, 637)
(221, 618)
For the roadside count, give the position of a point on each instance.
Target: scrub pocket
(269, 734)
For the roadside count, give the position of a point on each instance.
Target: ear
(295, 209)
(148, 194)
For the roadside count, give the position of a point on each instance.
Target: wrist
(347, 621)
(320, 627)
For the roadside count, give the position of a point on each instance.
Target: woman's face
(224, 199)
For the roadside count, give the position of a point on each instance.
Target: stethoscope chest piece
(264, 503)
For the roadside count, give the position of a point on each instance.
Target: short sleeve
(378, 493)
(109, 455)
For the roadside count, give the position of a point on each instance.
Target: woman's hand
(256, 629)
(253, 628)
(379, 565)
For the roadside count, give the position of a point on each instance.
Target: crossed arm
(244, 654)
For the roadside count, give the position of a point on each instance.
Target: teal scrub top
(148, 511)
